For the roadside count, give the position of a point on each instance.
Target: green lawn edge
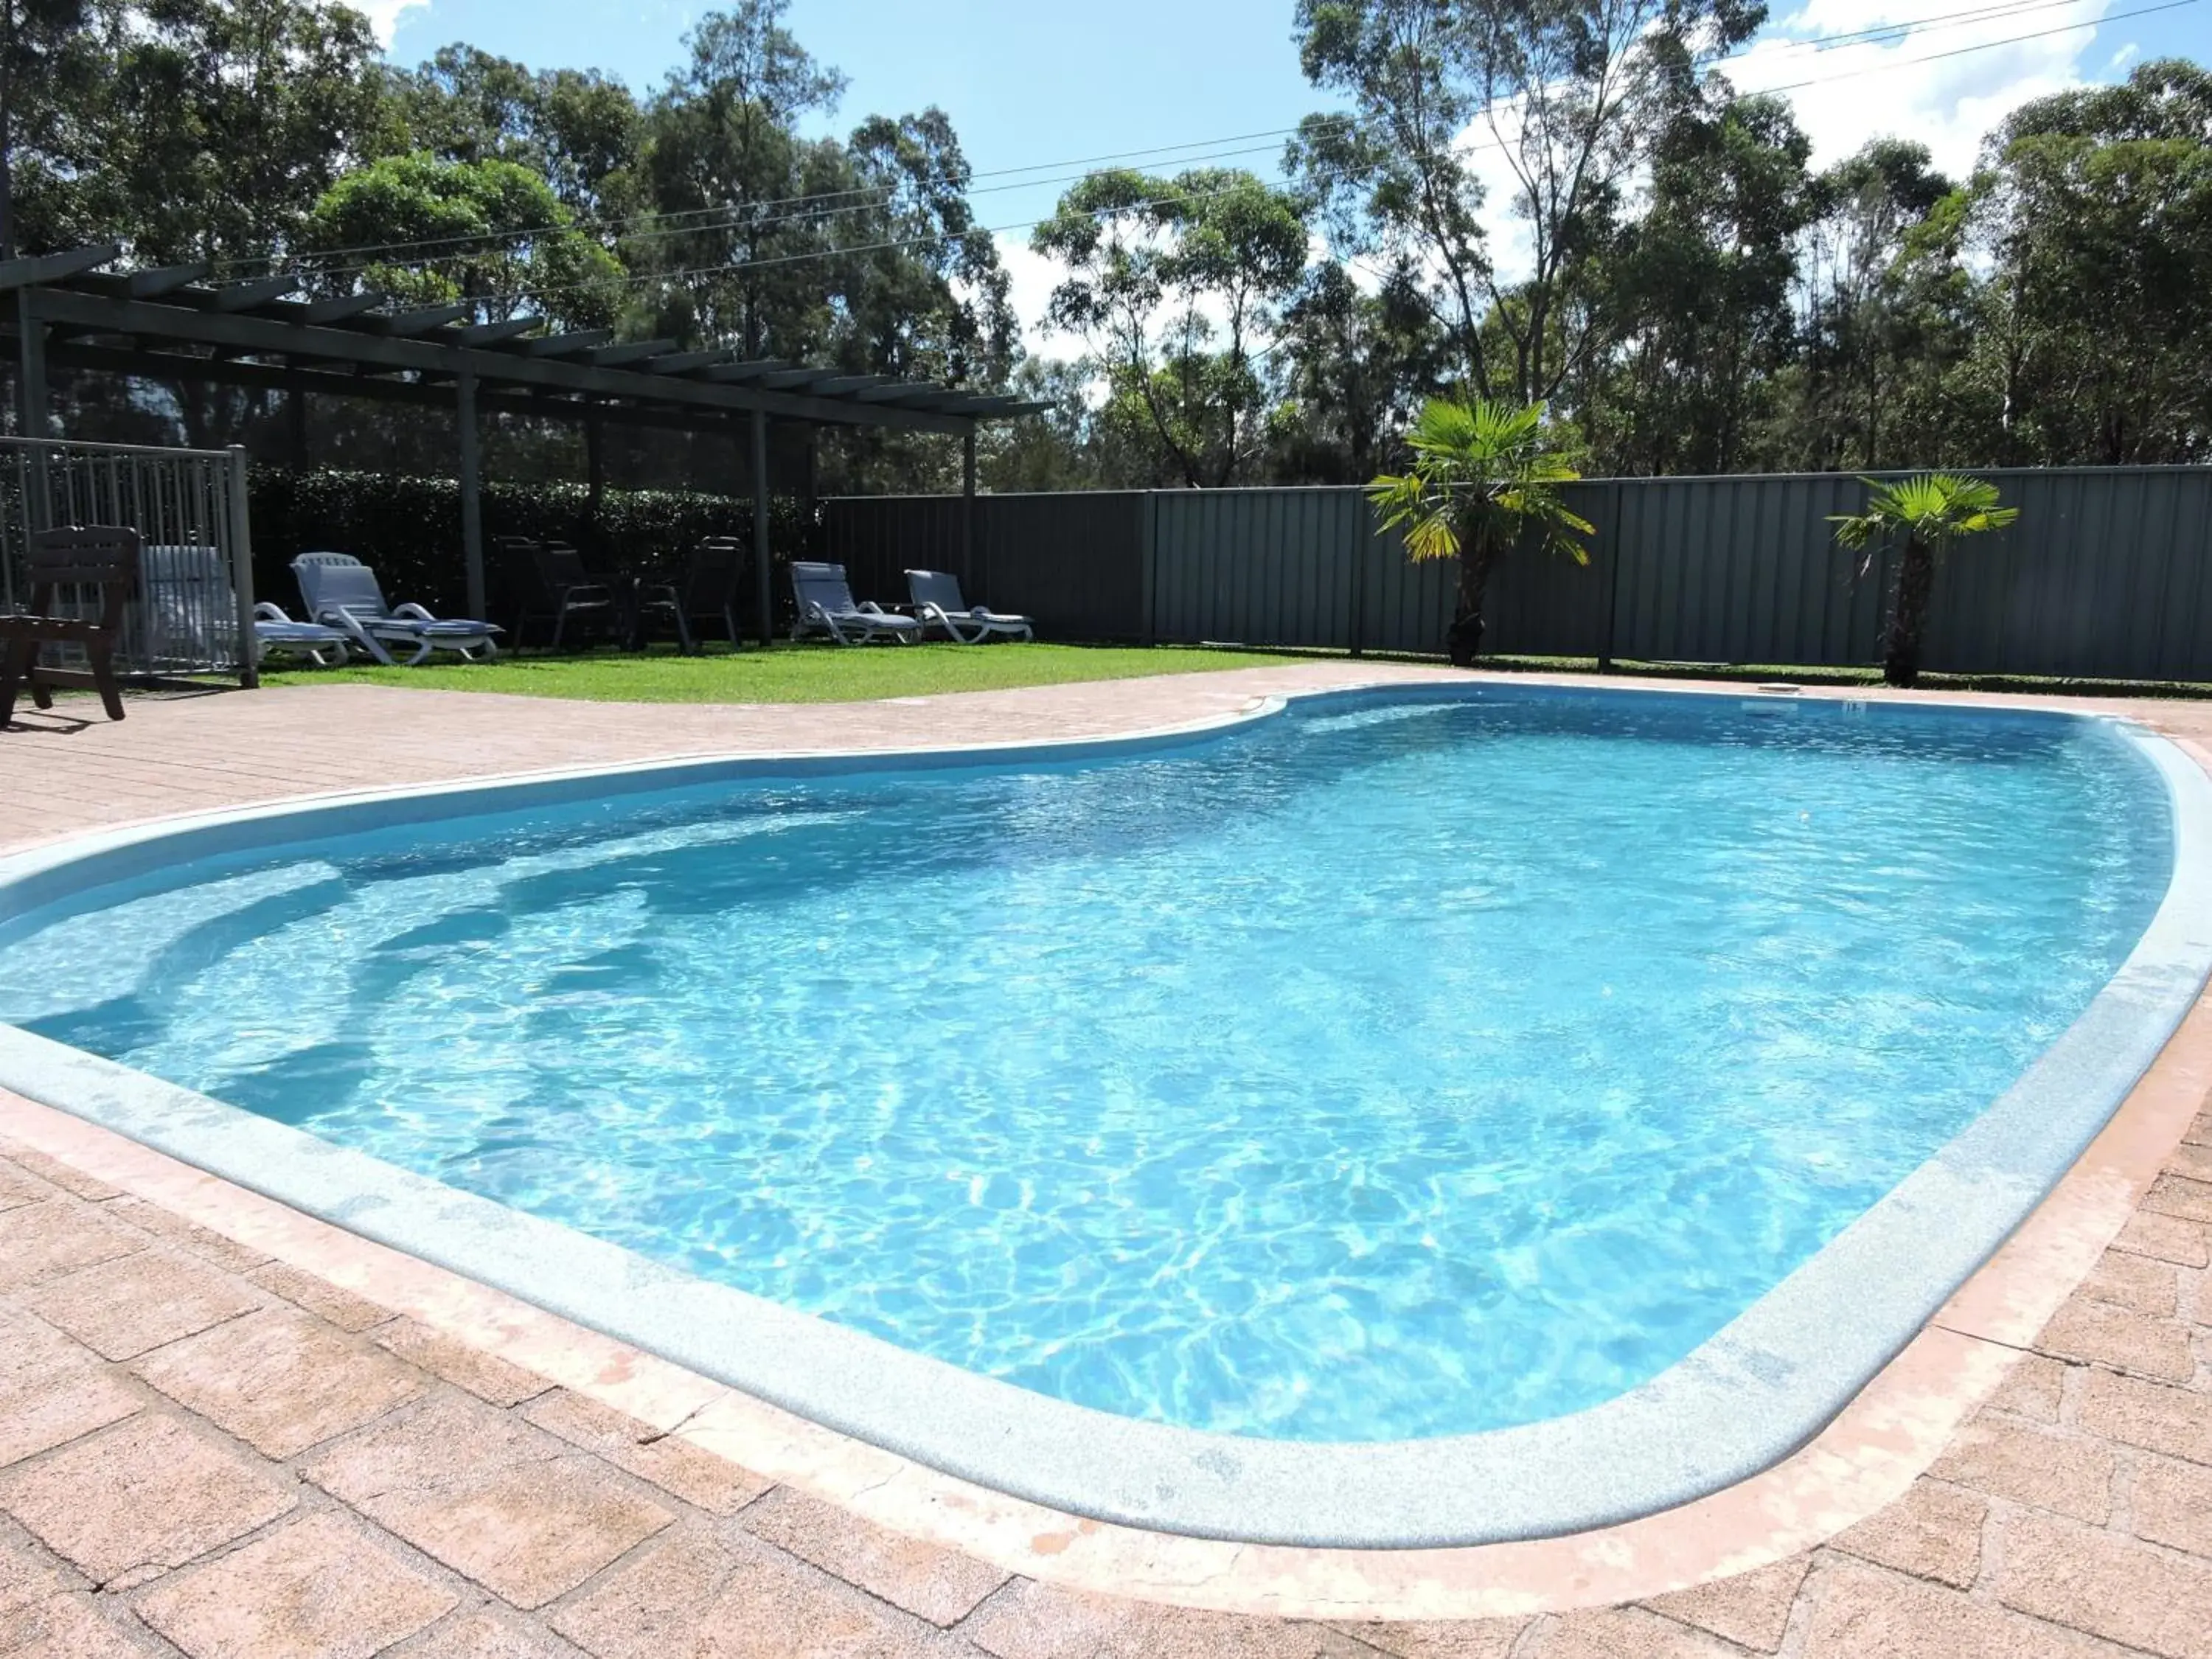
(791, 674)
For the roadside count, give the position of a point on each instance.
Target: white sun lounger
(342, 592)
(937, 601)
(826, 606)
(322, 645)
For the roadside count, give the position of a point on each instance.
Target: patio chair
(826, 606)
(276, 632)
(708, 590)
(104, 556)
(343, 592)
(938, 603)
(548, 582)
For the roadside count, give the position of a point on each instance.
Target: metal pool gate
(194, 612)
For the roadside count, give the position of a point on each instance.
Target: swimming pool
(1408, 1066)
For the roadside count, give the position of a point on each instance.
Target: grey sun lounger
(937, 601)
(343, 592)
(826, 606)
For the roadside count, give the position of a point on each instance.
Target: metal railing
(194, 611)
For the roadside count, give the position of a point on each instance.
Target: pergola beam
(423, 321)
(559, 345)
(629, 351)
(340, 307)
(178, 366)
(512, 364)
(45, 268)
(165, 279)
(246, 296)
(483, 334)
(740, 373)
(685, 363)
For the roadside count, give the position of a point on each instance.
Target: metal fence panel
(193, 611)
(2104, 575)
(1075, 562)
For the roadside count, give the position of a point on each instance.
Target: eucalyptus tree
(1872, 265)
(1699, 289)
(2093, 213)
(1359, 365)
(1563, 96)
(734, 182)
(1158, 271)
(49, 74)
(580, 129)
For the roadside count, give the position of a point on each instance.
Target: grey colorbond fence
(2105, 574)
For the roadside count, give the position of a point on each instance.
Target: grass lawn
(792, 674)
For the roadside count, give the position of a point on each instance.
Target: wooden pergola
(173, 324)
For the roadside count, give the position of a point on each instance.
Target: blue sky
(1027, 82)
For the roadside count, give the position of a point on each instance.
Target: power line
(662, 227)
(1189, 197)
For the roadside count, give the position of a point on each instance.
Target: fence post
(1358, 563)
(240, 528)
(1612, 574)
(1148, 538)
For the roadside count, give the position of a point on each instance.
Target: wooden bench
(106, 556)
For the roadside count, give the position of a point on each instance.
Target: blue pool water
(1394, 1069)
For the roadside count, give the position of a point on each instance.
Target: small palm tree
(1929, 512)
(1485, 476)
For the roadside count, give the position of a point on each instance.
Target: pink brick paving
(207, 1452)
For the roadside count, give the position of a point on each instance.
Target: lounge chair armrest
(413, 611)
(265, 612)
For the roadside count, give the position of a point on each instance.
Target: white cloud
(1944, 87)
(1033, 278)
(384, 16)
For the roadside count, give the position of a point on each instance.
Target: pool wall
(1742, 1400)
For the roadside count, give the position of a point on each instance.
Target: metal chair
(548, 582)
(709, 588)
(106, 556)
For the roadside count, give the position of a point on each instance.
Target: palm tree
(1928, 511)
(1485, 476)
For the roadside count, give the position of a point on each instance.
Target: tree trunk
(1465, 640)
(1908, 613)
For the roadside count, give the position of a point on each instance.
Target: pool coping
(1418, 1496)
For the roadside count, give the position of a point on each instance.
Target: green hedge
(410, 529)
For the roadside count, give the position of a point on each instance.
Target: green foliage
(194, 129)
(1568, 93)
(1485, 474)
(1932, 508)
(1151, 263)
(1926, 513)
(410, 528)
(255, 133)
(797, 673)
(451, 206)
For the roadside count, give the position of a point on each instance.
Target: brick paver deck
(208, 1452)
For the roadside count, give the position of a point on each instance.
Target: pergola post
(464, 403)
(967, 509)
(31, 378)
(595, 479)
(295, 426)
(763, 578)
